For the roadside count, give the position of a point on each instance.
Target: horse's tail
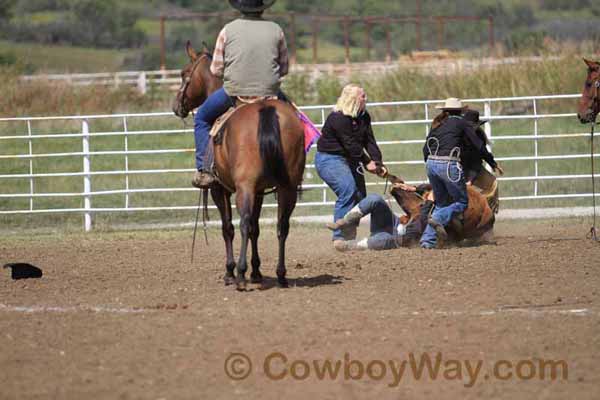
(271, 150)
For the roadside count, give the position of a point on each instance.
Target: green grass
(150, 27)
(64, 59)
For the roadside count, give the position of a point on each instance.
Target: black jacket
(457, 132)
(471, 156)
(349, 137)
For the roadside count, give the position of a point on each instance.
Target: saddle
(216, 132)
(486, 184)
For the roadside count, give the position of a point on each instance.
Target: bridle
(186, 84)
(595, 98)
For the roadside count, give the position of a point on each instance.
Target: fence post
(440, 28)
(347, 40)
(491, 35)
(388, 41)
(535, 147)
(141, 83)
(87, 177)
(163, 57)
(30, 166)
(293, 59)
(126, 162)
(487, 113)
(315, 32)
(427, 118)
(367, 38)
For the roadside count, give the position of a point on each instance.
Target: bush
(8, 58)
(147, 58)
(525, 41)
(6, 9)
(88, 23)
(565, 4)
(328, 89)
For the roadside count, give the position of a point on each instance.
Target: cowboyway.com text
(278, 366)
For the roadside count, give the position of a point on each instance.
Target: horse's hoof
(283, 283)
(241, 284)
(256, 278)
(229, 280)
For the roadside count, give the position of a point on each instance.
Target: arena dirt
(126, 316)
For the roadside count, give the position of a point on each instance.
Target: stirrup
(203, 179)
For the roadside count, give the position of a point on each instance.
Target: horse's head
(409, 198)
(589, 104)
(196, 82)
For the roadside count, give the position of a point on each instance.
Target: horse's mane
(439, 119)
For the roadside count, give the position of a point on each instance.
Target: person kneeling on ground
(387, 230)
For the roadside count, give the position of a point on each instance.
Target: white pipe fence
(171, 79)
(23, 132)
(141, 80)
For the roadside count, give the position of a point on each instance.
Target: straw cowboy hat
(473, 116)
(251, 5)
(452, 103)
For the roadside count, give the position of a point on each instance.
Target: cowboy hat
(451, 103)
(473, 116)
(251, 5)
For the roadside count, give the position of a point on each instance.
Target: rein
(593, 234)
(187, 81)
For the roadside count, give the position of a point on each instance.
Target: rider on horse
(251, 57)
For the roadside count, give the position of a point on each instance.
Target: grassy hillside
(42, 58)
(519, 28)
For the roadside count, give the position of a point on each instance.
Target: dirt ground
(126, 316)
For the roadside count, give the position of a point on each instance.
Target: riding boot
(352, 217)
(457, 226)
(349, 245)
(203, 179)
(442, 235)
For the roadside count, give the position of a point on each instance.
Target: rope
(203, 196)
(389, 202)
(205, 216)
(592, 234)
(195, 227)
(456, 151)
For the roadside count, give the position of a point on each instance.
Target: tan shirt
(251, 56)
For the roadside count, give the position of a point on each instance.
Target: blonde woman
(346, 142)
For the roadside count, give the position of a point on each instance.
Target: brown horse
(589, 104)
(261, 147)
(478, 219)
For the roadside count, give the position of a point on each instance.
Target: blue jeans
(450, 192)
(347, 184)
(213, 107)
(384, 222)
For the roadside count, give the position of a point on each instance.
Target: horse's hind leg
(222, 199)
(245, 204)
(286, 201)
(256, 276)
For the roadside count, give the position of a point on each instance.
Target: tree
(6, 7)
(105, 24)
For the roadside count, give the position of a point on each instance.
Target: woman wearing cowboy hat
(442, 153)
(251, 57)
